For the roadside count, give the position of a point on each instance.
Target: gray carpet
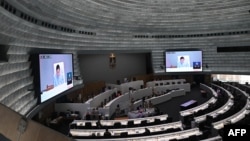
(172, 107)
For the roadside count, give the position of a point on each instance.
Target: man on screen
(182, 63)
(58, 77)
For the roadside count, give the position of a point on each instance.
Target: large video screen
(183, 61)
(56, 74)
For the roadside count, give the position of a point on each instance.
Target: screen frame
(183, 50)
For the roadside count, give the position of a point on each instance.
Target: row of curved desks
(167, 96)
(96, 101)
(139, 130)
(237, 116)
(216, 138)
(124, 100)
(195, 109)
(229, 120)
(220, 110)
(208, 89)
(203, 106)
(165, 82)
(130, 131)
(228, 93)
(125, 87)
(136, 121)
(185, 86)
(181, 134)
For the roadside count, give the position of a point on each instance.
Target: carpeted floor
(172, 107)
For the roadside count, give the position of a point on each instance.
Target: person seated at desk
(154, 93)
(93, 111)
(145, 104)
(157, 111)
(150, 104)
(95, 114)
(117, 110)
(140, 109)
(107, 133)
(118, 93)
(147, 131)
(87, 117)
(97, 111)
(93, 135)
(98, 124)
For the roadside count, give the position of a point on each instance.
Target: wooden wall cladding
(9, 122)
(38, 132)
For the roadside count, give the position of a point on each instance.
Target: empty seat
(147, 132)
(117, 125)
(193, 138)
(88, 125)
(130, 123)
(157, 121)
(144, 122)
(169, 119)
(72, 126)
(170, 130)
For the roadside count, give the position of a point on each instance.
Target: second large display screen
(183, 61)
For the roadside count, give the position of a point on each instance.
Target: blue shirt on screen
(58, 80)
(184, 64)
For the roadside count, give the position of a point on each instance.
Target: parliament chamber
(123, 70)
